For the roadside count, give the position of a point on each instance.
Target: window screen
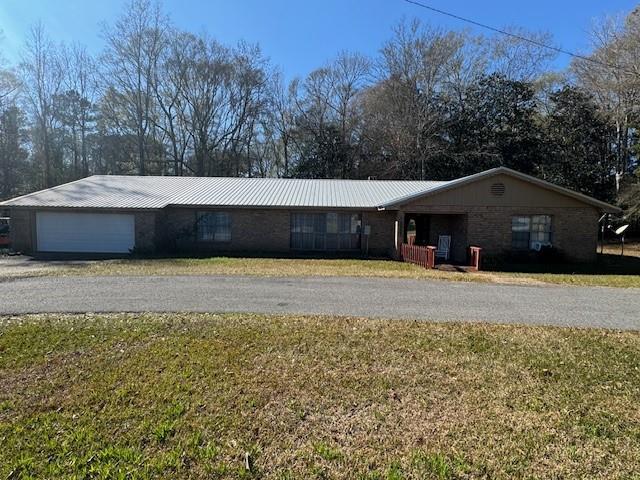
(527, 230)
(325, 231)
(214, 227)
(520, 227)
(541, 229)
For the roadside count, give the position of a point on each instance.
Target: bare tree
(169, 90)
(134, 48)
(205, 70)
(350, 74)
(613, 77)
(9, 86)
(519, 59)
(42, 76)
(414, 69)
(12, 134)
(281, 119)
(75, 106)
(248, 89)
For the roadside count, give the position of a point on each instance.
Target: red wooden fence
(426, 256)
(423, 256)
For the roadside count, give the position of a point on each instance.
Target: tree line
(432, 104)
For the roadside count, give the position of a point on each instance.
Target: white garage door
(85, 232)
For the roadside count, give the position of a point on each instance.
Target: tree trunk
(83, 147)
(76, 169)
(48, 180)
(141, 167)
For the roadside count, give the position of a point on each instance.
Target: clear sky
(302, 35)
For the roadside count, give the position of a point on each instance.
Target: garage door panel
(85, 232)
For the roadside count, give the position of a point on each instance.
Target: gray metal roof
(114, 191)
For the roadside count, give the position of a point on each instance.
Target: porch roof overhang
(398, 203)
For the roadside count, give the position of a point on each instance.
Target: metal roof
(135, 192)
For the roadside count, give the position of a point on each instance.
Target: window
(528, 231)
(325, 231)
(520, 227)
(214, 227)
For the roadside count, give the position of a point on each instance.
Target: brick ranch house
(499, 210)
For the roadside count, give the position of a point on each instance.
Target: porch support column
(399, 234)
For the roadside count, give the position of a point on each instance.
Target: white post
(395, 241)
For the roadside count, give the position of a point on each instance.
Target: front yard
(612, 270)
(244, 396)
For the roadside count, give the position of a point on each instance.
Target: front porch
(426, 229)
(423, 239)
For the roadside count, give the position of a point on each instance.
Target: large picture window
(214, 227)
(529, 231)
(325, 231)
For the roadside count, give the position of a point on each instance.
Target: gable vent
(497, 189)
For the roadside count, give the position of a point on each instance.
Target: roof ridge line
(360, 180)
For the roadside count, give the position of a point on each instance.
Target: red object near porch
(475, 255)
(420, 255)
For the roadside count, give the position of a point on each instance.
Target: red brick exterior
(263, 231)
(574, 230)
(469, 215)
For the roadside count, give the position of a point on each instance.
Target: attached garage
(85, 232)
(501, 211)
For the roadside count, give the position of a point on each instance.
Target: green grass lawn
(206, 396)
(612, 271)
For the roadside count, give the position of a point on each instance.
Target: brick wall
(261, 231)
(145, 232)
(382, 225)
(488, 222)
(267, 231)
(22, 230)
(575, 231)
(252, 230)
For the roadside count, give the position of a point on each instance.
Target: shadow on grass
(607, 264)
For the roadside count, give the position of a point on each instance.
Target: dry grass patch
(205, 396)
(631, 249)
(612, 271)
(268, 267)
(279, 267)
(570, 279)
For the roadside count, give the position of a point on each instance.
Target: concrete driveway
(371, 297)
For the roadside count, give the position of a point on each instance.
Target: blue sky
(302, 35)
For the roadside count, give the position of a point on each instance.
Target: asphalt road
(371, 297)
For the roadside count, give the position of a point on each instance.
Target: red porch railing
(475, 254)
(420, 255)
(425, 256)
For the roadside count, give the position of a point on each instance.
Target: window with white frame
(214, 227)
(527, 231)
(325, 231)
